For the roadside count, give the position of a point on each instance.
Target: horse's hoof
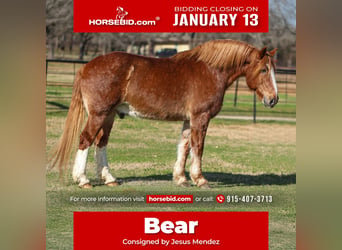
(86, 186)
(112, 184)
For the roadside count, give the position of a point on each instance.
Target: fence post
(254, 108)
(236, 92)
(286, 82)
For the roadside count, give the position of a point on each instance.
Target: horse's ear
(272, 52)
(262, 52)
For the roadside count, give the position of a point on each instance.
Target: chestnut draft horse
(187, 87)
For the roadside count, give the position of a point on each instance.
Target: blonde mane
(221, 54)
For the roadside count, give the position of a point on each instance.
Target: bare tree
(59, 22)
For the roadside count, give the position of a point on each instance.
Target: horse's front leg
(182, 155)
(199, 126)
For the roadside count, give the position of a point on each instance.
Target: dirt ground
(263, 133)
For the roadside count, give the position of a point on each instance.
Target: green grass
(240, 158)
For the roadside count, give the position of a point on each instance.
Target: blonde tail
(61, 153)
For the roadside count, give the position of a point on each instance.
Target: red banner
(171, 16)
(172, 230)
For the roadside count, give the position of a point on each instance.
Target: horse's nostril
(272, 102)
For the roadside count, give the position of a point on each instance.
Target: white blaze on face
(274, 81)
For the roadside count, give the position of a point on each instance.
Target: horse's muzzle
(270, 103)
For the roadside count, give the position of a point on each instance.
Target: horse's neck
(231, 76)
(235, 76)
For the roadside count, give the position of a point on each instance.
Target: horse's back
(162, 88)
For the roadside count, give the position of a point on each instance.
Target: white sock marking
(79, 170)
(102, 170)
(178, 169)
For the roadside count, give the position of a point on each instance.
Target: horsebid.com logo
(121, 13)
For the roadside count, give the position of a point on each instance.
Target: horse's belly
(127, 109)
(152, 113)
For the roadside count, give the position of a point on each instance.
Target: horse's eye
(263, 71)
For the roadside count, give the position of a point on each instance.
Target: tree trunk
(85, 38)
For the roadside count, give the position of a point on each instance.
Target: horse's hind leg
(182, 155)
(87, 137)
(101, 141)
(199, 126)
(79, 169)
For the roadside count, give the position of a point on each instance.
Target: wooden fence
(60, 75)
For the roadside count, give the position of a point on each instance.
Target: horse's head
(120, 10)
(260, 76)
